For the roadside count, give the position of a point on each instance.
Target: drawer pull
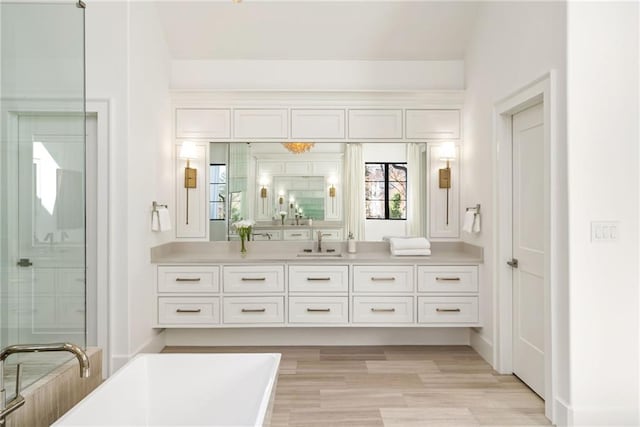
(448, 279)
(448, 310)
(191, 279)
(296, 234)
(383, 279)
(314, 310)
(318, 279)
(184, 310)
(254, 310)
(253, 279)
(326, 234)
(383, 310)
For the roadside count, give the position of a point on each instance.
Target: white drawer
(318, 310)
(448, 309)
(253, 310)
(188, 279)
(297, 234)
(188, 310)
(321, 278)
(331, 234)
(383, 310)
(384, 278)
(447, 279)
(255, 279)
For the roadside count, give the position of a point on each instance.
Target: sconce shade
(448, 151)
(188, 151)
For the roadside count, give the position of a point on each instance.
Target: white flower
(283, 213)
(245, 223)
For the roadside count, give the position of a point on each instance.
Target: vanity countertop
(442, 253)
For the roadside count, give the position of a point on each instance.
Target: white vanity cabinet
(334, 293)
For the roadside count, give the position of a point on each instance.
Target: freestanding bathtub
(182, 390)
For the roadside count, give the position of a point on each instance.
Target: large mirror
(293, 195)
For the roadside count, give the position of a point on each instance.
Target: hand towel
(400, 243)
(469, 219)
(412, 252)
(476, 223)
(160, 220)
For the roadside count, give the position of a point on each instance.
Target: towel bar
(157, 205)
(476, 208)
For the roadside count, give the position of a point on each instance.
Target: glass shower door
(42, 181)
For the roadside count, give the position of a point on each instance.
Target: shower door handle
(24, 262)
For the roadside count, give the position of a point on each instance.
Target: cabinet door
(433, 124)
(260, 123)
(317, 124)
(203, 123)
(375, 124)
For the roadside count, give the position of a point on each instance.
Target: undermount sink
(319, 255)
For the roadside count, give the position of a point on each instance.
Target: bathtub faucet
(8, 407)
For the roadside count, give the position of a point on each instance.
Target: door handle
(24, 262)
(513, 263)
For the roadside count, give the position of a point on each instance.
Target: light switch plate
(604, 231)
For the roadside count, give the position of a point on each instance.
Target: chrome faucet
(319, 241)
(18, 400)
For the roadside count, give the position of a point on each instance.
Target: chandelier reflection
(298, 147)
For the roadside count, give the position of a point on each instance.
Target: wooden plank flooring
(392, 386)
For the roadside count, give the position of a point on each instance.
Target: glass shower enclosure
(42, 181)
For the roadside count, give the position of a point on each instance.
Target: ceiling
(317, 30)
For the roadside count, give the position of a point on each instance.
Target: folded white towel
(160, 220)
(469, 219)
(476, 223)
(408, 243)
(412, 252)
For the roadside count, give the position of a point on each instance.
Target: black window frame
(386, 191)
(218, 202)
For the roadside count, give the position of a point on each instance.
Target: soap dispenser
(351, 244)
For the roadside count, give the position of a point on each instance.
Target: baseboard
(316, 336)
(154, 344)
(560, 413)
(482, 346)
(603, 416)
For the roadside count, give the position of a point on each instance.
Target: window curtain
(354, 185)
(415, 200)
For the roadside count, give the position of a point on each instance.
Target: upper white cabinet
(266, 123)
(432, 124)
(203, 123)
(317, 124)
(375, 124)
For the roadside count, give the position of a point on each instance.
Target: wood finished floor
(392, 386)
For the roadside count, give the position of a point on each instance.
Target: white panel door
(528, 247)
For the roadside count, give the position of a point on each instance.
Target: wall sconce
(281, 198)
(263, 192)
(447, 153)
(188, 152)
(332, 193)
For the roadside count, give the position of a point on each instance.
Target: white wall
(512, 45)
(150, 160)
(317, 75)
(376, 229)
(603, 120)
(128, 65)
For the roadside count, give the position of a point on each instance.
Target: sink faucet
(319, 241)
(18, 400)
